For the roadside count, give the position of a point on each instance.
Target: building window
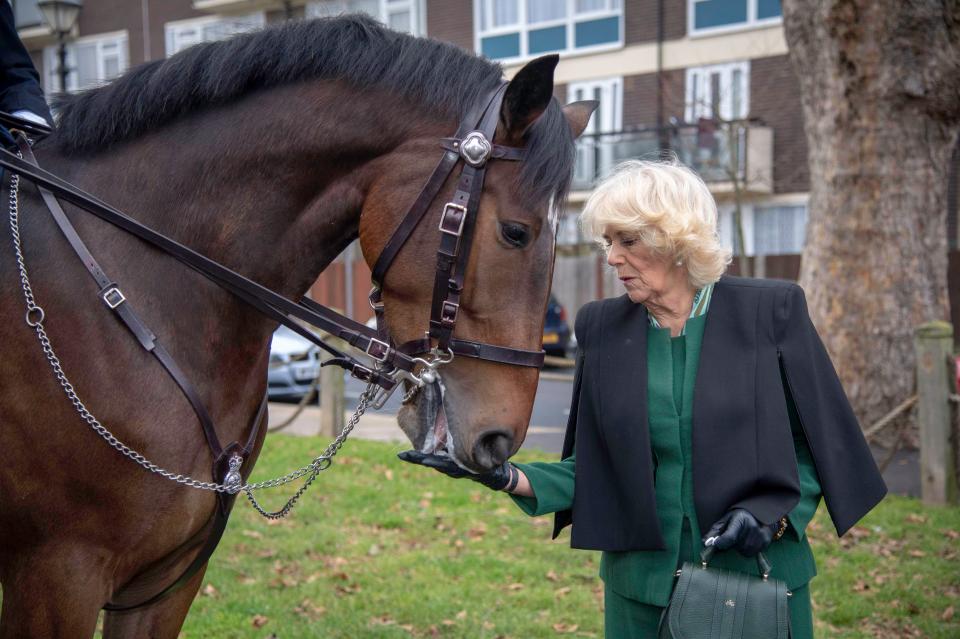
(720, 91)
(407, 16)
(186, 33)
(91, 61)
(768, 229)
(596, 155)
(26, 14)
(779, 230)
(511, 30)
(720, 15)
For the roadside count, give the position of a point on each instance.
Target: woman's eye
(515, 234)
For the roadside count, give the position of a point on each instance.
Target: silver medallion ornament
(475, 148)
(233, 481)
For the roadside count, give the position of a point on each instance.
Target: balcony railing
(729, 156)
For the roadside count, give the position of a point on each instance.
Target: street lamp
(60, 16)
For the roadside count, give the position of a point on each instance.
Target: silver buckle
(443, 219)
(112, 297)
(378, 346)
(362, 373)
(448, 312)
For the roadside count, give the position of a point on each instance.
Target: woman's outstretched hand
(496, 479)
(740, 530)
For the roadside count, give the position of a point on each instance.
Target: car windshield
(283, 331)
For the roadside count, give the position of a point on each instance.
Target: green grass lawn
(378, 548)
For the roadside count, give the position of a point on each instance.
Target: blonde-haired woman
(704, 406)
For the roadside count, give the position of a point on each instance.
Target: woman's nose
(614, 256)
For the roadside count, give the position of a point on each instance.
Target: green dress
(638, 584)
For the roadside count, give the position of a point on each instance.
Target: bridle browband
(472, 144)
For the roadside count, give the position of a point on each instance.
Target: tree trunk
(880, 84)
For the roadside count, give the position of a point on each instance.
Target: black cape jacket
(743, 454)
(19, 82)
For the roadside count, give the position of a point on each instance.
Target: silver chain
(35, 317)
(313, 469)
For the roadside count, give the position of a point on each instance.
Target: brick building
(709, 79)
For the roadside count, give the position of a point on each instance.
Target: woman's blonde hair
(668, 208)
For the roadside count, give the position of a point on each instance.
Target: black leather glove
(740, 530)
(496, 479)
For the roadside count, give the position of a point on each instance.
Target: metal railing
(715, 150)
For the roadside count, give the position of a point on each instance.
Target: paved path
(376, 426)
(902, 475)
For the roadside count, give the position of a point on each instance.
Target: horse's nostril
(492, 449)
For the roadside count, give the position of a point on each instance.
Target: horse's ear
(528, 95)
(578, 115)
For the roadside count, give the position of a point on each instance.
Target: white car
(294, 365)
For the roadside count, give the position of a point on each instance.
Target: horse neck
(271, 186)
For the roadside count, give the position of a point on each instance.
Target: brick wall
(452, 21)
(640, 98)
(675, 19)
(775, 99)
(640, 20)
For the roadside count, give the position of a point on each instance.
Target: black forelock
(352, 48)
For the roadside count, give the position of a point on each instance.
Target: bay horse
(270, 153)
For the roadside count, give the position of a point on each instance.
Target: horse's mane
(352, 48)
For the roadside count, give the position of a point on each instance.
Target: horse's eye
(515, 234)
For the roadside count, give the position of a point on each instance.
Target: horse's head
(478, 410)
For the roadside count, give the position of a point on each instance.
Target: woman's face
(645, 275)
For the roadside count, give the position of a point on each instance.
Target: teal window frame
(598, 30)
(717, 16)
(547, 40)
(501, 45)
(592, 32)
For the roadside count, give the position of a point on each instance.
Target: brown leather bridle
(457, 224)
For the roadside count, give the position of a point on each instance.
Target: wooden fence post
(332, 400)
(935, 371)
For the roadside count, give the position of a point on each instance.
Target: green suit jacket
(648, 576)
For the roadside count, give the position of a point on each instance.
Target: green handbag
(709, 603)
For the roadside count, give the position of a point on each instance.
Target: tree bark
(880, 85)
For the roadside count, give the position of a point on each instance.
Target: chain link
(35, 318)
(320, 463)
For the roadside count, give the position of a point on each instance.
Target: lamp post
(60, 16)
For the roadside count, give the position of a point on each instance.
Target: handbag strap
(762, 562)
